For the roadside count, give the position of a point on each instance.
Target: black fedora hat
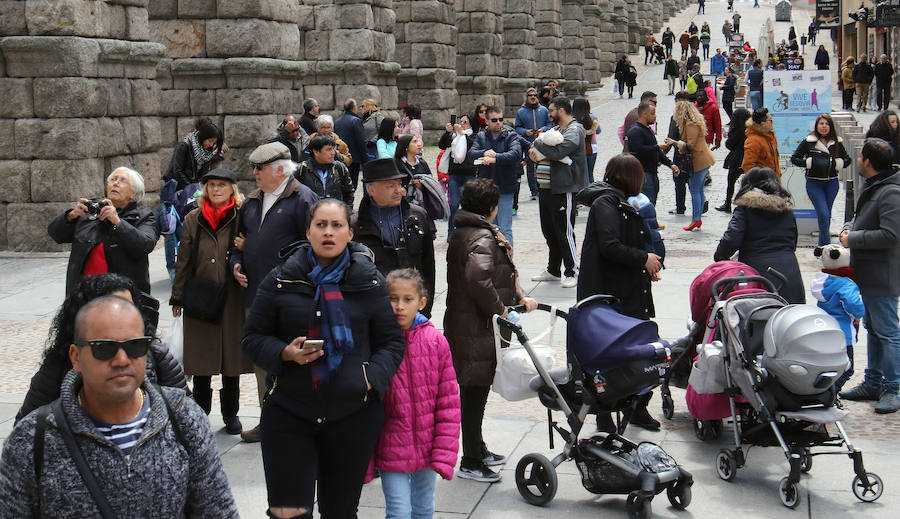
(381, 169)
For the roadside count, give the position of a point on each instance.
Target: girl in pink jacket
(420, 437)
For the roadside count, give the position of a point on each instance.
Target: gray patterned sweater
(160, 478)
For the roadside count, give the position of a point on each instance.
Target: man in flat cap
(271, 218)
(399, 233)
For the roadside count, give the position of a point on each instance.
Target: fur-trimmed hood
(811, 138)
(758, 199)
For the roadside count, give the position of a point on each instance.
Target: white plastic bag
(515, 369)
(459, 149)
(174, 340)
(444, 162)
(708, 372)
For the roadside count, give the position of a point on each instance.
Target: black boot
(230, 404)
(725, 208)
(641, 417)
(202, 393)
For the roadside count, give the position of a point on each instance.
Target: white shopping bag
(708, 372)
(174, 339)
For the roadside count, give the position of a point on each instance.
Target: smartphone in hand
(314, 344)
(452, 119)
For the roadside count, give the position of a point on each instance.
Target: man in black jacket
(349, 128)
(399, 233)
(862, 77)
(641, 143)
(872, 237)
(310, 112)
(293, 137)
(884, 76)
(325, 176)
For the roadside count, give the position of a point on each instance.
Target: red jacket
(713, 119)
(421, 405)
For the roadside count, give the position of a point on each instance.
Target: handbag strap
(81, 463)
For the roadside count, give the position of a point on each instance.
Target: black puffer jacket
(162, 369)
(338, 183)
(126, 247)
(822, 160)
(280, 313)
(735, 145)
(764, 233)
(613, 254)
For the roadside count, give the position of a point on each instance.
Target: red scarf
(214, 216)
(842, 272)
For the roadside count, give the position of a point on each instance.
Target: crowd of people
(331, 307)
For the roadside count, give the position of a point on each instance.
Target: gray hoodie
(159, 479)
(567, 178)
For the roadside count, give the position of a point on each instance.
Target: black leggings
(472, 400)
(733, 175)
(292, 448)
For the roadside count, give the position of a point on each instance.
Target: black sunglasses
(496, 120)
(105, 349)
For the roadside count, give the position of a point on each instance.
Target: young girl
(420, 437)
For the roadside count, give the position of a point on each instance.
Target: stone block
(145, 97)
(151, 136)
(167, 130)
(148, 165)
(29, 222)
(163, 9)
(18, 98)
(137, 24)
(518, 20)
(131, 59)
(306, 18)
(519, 37)
(111, 136)
(289, 41)
(435, 98)
(249, 130)
(432, 55)
(182, 38)
(244, 101)
(198, 73)
(521, 68)
(385, 19)
(7, 138)
(286, 101)
(354, 16)
(131, 130)
(50, 56)
(3, 242)
(15, 180)
(430, 32)
(316, 45)
(174, 102)
(119, 97)
(196, 8)
(324, 94)
(346, 44)
(69, 18)
(358, 92)
(245, 37)
(71, 97)
(66, 180)
(486, 22)
(12, 18)
(56, 138)
(475, 43)
(202, 102)
(383, 48)
(326, 17)
(403, 54)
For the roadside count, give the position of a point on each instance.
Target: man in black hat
(399, 233)
(281, 202)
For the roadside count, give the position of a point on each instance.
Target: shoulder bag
(204, 299)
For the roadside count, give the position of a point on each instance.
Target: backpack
(691, 85)
(186, 199)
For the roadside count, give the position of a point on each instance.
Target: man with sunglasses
(531, 119)
(293, 137)
(113, 445)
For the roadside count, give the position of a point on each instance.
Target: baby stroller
(784, 359)
(659, 52)
(603, 373)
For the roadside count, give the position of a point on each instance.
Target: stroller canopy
(602, 339)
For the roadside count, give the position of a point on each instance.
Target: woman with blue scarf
(323, 413)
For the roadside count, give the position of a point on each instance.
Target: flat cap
(221, 174)
(269, 153)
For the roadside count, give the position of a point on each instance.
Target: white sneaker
(545, 276)
(569, 282)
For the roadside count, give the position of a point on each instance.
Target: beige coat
(694, 136)
(211, 348)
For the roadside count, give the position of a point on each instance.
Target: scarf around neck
(201, 155)
(327, 318)
(214, 216)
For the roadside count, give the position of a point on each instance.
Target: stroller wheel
(806, 461)
(870, 490)
(536, 479)
(726, 466)
(679, 495)
(638, 507)
(668, 407)
(789, 493)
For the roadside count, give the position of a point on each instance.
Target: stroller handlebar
(541, 306)
(730, 282)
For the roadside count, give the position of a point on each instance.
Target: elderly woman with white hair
(114, 234)
(325, 126)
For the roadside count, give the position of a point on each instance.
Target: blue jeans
(756, 99)
(454, 186)
(695, 185)
(409, 495)
(591, 162)
(651, 186)
(529, 174)
(882, 343)
(504, 216)
(822, 194)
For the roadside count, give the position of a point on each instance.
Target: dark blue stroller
(611, 358)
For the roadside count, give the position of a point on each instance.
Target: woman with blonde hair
(209, 297)
(692, 130)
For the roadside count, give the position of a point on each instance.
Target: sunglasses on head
(496, 119)
(105, 349)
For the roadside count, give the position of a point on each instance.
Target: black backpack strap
(81, 463)
(176, 427)
(40, 426)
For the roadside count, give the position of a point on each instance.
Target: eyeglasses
(481, 111)
(496, 120)
(532, 95)
(105, 349)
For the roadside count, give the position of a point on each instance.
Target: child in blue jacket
(653, 241)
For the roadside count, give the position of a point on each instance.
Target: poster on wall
(828, 13)
(795, 98)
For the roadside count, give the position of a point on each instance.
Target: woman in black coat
(822, 60)
(324, 399)
(735, 157)
(763, 232)
(162, 368)
(613, 258)
(621, 74)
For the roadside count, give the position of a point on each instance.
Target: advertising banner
(828, 13)
(795, 98)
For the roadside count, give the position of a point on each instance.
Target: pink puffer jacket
(422, 415)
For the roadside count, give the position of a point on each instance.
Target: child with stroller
(835, 291)
(420, 436)
(653, 241)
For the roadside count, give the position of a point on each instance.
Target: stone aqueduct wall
(89, 85)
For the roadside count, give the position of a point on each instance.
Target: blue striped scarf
(327, 318)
